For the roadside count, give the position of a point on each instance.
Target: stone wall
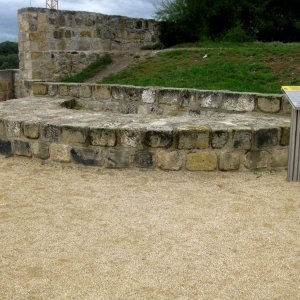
(9, 84)
(54, 43)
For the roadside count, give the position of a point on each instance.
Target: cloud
(130, 8)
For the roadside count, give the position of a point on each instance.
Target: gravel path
(83, 233)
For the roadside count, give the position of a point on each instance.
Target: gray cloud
(130, 8)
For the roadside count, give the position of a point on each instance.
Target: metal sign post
(293, 95)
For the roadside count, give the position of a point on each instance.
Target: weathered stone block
(266, 137)
(101, 92)
(148, 96)
(233, 102)
(131, 137)
(40, 150)
(74, 91)
(172, 161)
(87, 156)
(144, 159)
(201, 161)
(286, 106)
(169, 97)
(63, 90)
(5, 147)
(70, 134)
(209, 101)
(85, 91)
(242, 138)
(2, 128)
(13, 128)
(51, 133)
(193, 137)
(103, 137)
(229, 161)
(279, 158)
(31, 130)
(118, 93)
(22, 148)
(39, 89)
(60, 152)
(52, 90)
(159, 138)
(118, 158)
(257, 159)
(285, 136)
(36, 36)
(269, 105)
(219, 139)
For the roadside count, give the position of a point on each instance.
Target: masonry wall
(54, 44)
(9, 87)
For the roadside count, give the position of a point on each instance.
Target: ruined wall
(9, 87)
(54, 44)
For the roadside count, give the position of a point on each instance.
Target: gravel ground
(84, 233)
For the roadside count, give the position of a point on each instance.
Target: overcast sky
(130, 8)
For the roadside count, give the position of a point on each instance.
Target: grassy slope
(256, 67)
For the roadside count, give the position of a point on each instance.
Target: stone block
(85, 91)
(148, 96)
(279, 158)
(266, 137)
(101, 92)
(22, 148)
(269, 105)
(193, 137)
(229, 161)
(211, 100)
(2, 128)
(131, 137)
(63, 90)
(257, 159)
(201, 161)
(31, 130)
(286, 106)
(72, 134)
(169, 97)
(159, 138)
(106, 137)
(5, 147)
(74, 91)
(144, 159)
(87, 156)
(13, 128)
(285, 136)
(52, 90)
(118, 93)
(39, 89)
(242, 138)
(51, 133)
(36, 36)
(219, 139)
(40, 150)
(60, 152)
(118, 158)
(169, 160)
(235, 102)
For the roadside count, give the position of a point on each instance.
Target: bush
(237, 34)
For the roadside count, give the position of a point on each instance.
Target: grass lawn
(249, 67)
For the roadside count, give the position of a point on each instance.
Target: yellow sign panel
(291, 88)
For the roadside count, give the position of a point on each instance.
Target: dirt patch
(68, 232)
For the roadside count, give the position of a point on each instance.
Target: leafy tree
(9, 55)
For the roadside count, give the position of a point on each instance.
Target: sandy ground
(84, 233)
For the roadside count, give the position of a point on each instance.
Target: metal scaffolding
(52, 4)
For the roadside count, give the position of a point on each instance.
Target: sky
(129, 8)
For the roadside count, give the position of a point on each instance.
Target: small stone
(285, 136)
(118, 158)
(51, 133)
(87, 156)
(193, 137)
(171, 161)
(257, 159)
(70, 134)
(85, 91)
(13, 128)
(5, 147)
(22, 148)
(201, 161)
(159, 138)
(40, 150)
(229, 161)
(148, 96)
(144, 159)
(31, 130)
(131, 138)
(60, 152)
(219, 139)
(103, 137)
(266, 137)
(39, 89)
(242, 139)
(279, 158)
(269, 105)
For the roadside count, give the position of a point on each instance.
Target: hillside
(9, 55)
(251, 67)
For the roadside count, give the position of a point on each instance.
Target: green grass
(248, 67)
(91, 70)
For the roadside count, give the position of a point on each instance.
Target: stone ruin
(112, 126)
